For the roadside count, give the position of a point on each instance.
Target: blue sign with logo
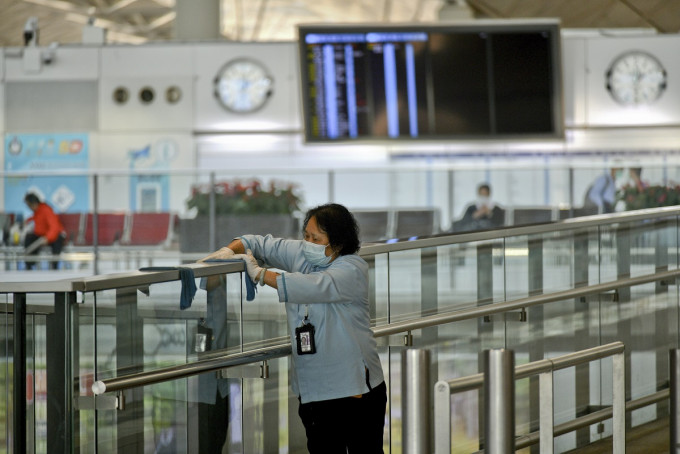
(31, 154)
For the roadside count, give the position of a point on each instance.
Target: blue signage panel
(30, 154)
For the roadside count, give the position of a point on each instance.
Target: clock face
(636, 78)
(243, 85)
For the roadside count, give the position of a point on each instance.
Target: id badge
(304, 337)
(203, 340)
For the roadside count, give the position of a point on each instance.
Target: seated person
(602, 192)
(47, 230)
(483, 214)
(636, 175)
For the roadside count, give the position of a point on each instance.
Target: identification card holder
(304, 337)
(203, 341)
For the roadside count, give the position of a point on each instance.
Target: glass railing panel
(565, 260)
(379, 289)
(264, 319)
(454, 353)
(405, 280)
(612, 260)
(457, 273)
(6, 363)
(466, 274)
(551, 330)
(645, 319)
(649, 242)
(131, 332)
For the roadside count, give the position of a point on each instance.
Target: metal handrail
(107, 282)
(277, 350)
(505, 306)
(476, 381)
(582, 222)
(544, 368)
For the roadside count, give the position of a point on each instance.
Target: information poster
(32, 155)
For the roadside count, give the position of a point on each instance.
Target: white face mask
(482, 201)
(316, 254)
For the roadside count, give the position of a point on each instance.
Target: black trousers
(349, 425)
(213, 422)
(56, 246)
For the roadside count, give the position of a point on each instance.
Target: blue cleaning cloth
(251, 287)
(186, 277)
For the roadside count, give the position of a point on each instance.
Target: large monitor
(478, 80)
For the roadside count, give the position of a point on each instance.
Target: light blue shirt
(335, 298)
(603, 191)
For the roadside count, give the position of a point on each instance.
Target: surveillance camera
(31, 31)
(50, 54)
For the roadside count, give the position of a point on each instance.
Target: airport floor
(651, 438)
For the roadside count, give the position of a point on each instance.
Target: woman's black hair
(339, 224)
(31, 198)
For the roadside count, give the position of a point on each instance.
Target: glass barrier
(152, 216)
(115, 325)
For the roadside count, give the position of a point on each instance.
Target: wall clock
(243, 85)
(636, 78)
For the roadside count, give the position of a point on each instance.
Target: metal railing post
(212, 217)
(545, 403)
(619, 402)
(499, 401)
(442, 418)
(415, 394)
(675, 399)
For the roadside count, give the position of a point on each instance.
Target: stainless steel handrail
(156, 376)
(505, 306)
(544, 368)
(578, 223)
(476, 381)
(131, 279)
(187, 370)
(524, 441)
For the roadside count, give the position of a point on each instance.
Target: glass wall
(115, 325)
(123, 221)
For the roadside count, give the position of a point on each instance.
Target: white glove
(220, 254)
(255, 271)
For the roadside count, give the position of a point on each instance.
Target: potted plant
(649, 196)
(241, 206)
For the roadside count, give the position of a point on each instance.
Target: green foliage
(649, 197)
(245, 197)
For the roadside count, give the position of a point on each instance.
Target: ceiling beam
(642, 15)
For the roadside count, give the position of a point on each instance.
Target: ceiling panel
(137, 21)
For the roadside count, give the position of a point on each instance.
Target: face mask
(316, 254)
(482, 201)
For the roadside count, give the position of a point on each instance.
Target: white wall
(602, 110)
(158, 67)
(270, 141)
(280, 114)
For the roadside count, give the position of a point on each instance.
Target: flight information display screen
(473, 81)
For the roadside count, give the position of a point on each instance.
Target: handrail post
(415, 394)
(619, 403)
(545, 403)
(499, 401)
(442, 417)
(675, 399)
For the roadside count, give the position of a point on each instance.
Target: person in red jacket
(47, 230)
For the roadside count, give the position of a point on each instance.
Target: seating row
(127, 229)
(385, 224)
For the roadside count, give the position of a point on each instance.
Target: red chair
(110, 228)
(150, 229)
(73, 225)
